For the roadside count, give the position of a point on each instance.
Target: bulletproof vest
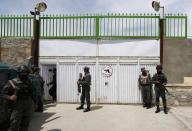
(160, 78)
(23, 89)
(88, 75)
(144, 79)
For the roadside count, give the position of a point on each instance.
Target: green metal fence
(100, 26)
(16, 26)
(175, 26)
(110, 26)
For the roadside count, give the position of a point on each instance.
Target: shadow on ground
(38, 119)
(49, 104)
(54, 130)
(93, 108)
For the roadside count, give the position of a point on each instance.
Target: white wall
(104, 48)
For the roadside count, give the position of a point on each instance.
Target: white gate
(120, 86)
(128, 86)
(107, 89)
(66, 83)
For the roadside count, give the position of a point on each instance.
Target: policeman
(53, 89)
(85, 82)
(145, 86)
(160, 80)
(22, 98)
(38, 84)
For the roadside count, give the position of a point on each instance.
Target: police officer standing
(39, 90)
(85, 82)
(160, 80)
(145, 87)
(22, 98)
(53, 89)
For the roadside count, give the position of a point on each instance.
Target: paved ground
(64, 117)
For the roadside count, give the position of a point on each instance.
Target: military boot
(80, 107)
(87, 109)
(158, 109)
(165, 110)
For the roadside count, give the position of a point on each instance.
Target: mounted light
(41, 7)
(156, 5)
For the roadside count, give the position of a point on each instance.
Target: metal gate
(121, 86)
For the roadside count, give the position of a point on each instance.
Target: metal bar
(76, 26)
(118, 26)
(83, 27)
(90, 26)
(4, 27)
(178, 26)
(56, 21)
(20, 26)
(97, 27)
(66, 27)
(115, 25)
(133, 27)
(186, 27)
(27, 27)
(129, 26)
(87, 26)
(161, 39)
(73, 26)
(63, 26)
(1, 27)
(126, 26)
(80, 27)
(174, 26)
(7, 27)
(122, 27)
(53, 27)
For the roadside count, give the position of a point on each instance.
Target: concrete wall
(178, 60)
(15, 51)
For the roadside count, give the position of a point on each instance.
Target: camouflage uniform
(145, 86)
(22, 108)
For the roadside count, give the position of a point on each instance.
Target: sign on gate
(107, 71)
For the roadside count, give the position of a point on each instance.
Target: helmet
(142, 69)
(34, 68)
(23, 69)
(86, 69)
(159, 67)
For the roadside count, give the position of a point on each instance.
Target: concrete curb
(174, 113)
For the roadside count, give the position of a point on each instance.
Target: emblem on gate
(107, 71)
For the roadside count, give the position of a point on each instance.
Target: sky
(22, 7)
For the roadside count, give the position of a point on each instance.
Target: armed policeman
(38, 83)
(160, 80)
(145, 87)
(85, 82)
(20, 93)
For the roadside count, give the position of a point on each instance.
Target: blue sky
(96, 6)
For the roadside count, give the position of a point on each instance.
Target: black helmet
(34, 68)
(159, 67)
(23, 69)
(142, 69)
(86, 69)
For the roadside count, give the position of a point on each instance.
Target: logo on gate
(107, 71)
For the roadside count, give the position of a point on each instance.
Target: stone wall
(15, 51)
(180, 97)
